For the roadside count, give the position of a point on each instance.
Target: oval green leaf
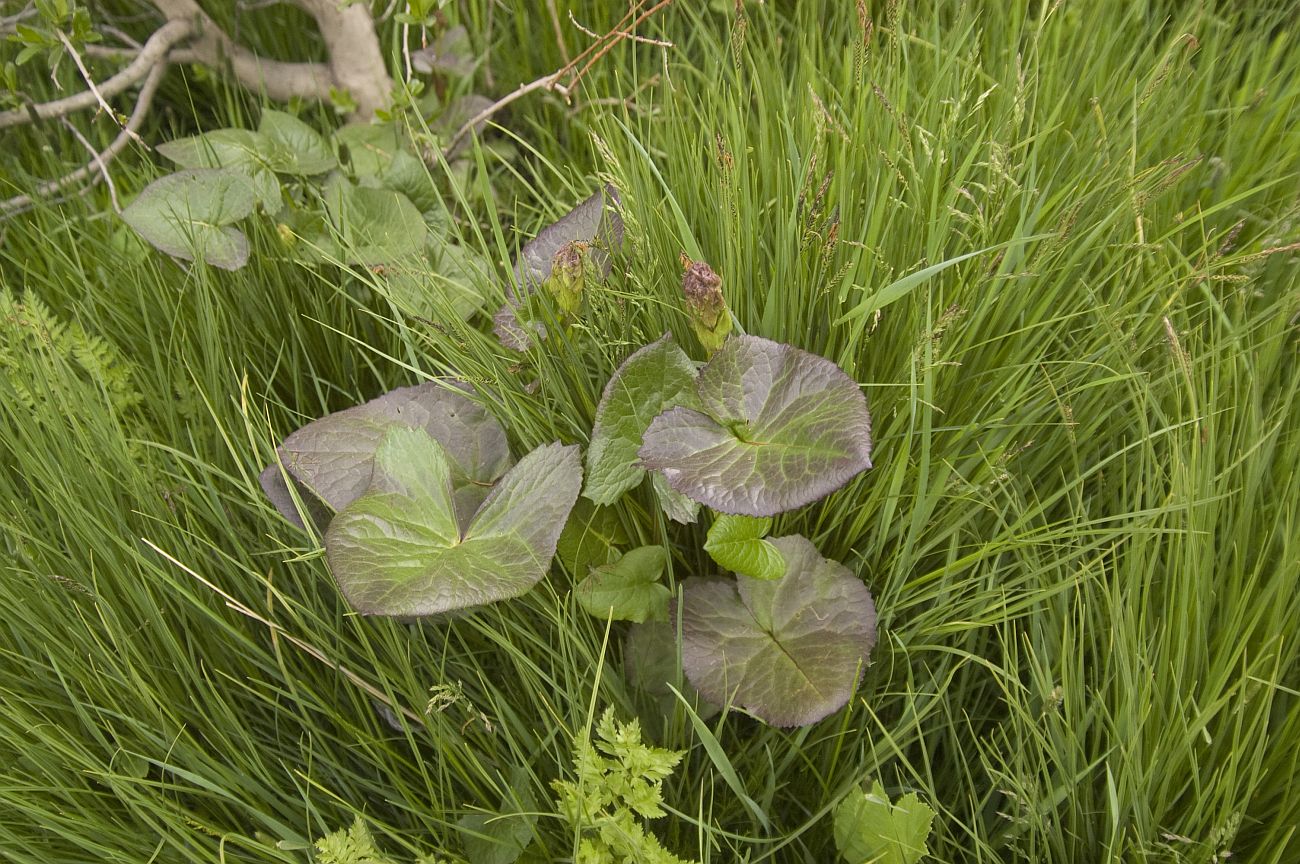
(778, 428)
(398, 550)
(736, 543)
(788, 651)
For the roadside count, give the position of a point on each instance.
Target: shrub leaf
(777, 428)
(789, 651)
(399, 549)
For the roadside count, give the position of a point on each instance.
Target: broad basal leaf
(398, 550)
(870, 830)
(736, 543)
(188, 214)
(241, 149)
(220, 148)
(656, 377)
(789, 651)
(628, 589)
(651, 664)
(776, 428)
(333, 456)
(293, 146)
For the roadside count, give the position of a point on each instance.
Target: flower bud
(705, 305)
(568, 275)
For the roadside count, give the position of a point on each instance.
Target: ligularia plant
(424, 510)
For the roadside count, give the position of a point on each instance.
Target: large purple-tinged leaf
(332, 457)
(400, 550)
(777, 428)
(656, 377)
(789, 651)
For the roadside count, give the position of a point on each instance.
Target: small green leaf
(656, 377)
(399, 550)
(187, 215)
(628, 589)
(293, 147)
(871, 830)
(500, 838)
(735, 542)
(675, 505)
(790, 651)
(777, 428)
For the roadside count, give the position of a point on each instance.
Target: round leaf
(789, 651)
(398, 549)
(778, 428)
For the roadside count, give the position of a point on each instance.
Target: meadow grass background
(1081, 529)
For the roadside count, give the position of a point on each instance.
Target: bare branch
(212, 47)
(101, 160)
(356, 60)
(573, 71)
(153, 53)
(96, 159)
(86, 76)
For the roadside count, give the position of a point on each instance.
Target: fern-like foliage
(35, 343)
(619, 782)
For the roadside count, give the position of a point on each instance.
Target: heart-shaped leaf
(654, 378)
(871, 830)
(736, 543)
(188, 214)
(333, 457)
(220, 148)
(651, 664)
(399, 549)
(293, 146)
(501, 837)
(789, 651)
(777, 428)
(628, 589)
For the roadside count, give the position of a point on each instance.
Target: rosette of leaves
(423, 510)
(596, 228)
(790, 651)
